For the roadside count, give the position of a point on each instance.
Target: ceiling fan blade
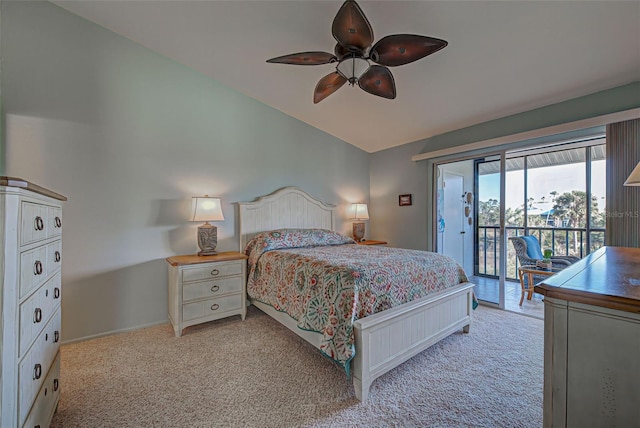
(378, 80)
(351, 28)
(327, 86)
(400, 49)
(305, 58)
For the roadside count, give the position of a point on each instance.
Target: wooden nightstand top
(194, 259)
(372, 242)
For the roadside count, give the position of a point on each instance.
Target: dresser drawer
(34, 222)
(36, 311)
(212, 288)
(33, 269)
(54, 218)
(211, 307)
(211, 270)
(54, 256)
(47, 398)
(34, 367)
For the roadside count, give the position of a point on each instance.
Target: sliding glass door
(554, 192)
(489, 231)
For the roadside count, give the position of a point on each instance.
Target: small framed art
(404, 200)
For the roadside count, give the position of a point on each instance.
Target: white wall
(129, 136)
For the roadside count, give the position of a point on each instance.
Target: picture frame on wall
(404, 200)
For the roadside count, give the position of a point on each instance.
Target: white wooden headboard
(288, 207)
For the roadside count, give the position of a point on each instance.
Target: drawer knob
(215, 288)
(215, 307)
(215, 272)
(58, 222)
(37, 267)
(37, 315)
(56, 336)
(57, 256)
(56, 293)
(37, 371)
(56, 385)
(39, 223)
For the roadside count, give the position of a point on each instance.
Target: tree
(489, 213)
(571, 208)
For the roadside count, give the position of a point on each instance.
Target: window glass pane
(488, 222)
(514, 209)
(514, 189)
(598, 196)
(557, 205)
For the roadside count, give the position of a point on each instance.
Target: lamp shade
(359, 212)
(205, 208)
(634, 177)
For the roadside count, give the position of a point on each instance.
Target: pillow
(293, 238)
(533, 247)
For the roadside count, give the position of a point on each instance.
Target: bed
(381, 340)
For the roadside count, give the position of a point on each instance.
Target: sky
(561, 178)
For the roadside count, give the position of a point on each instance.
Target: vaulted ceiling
(503, 57)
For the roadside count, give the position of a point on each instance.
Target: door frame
(502, 239)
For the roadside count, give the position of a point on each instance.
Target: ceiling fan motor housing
(353, 68)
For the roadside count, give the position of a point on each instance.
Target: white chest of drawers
(31, 291)
(206, 288)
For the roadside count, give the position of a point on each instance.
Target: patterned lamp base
(207, 239)
(358, 231)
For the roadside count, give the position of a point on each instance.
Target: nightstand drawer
(212, 288)
(211, 270)
(206, 308)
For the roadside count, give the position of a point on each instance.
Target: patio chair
(529, 252)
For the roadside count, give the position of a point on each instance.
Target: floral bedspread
(326, 282)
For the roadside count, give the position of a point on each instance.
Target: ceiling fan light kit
(354, 55)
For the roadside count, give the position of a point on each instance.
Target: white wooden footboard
(387, 339)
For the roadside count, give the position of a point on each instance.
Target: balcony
(561, 240)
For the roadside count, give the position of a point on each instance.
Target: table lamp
(359, 212)
(634, 177)
(205, 208)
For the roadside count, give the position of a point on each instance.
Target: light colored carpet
(256, 373)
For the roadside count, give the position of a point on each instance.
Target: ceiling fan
(354, 55)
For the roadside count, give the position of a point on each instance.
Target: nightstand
(372, 242)
(206, 288)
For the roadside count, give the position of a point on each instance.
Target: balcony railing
(561, 240)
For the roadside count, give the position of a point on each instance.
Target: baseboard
(113, 332)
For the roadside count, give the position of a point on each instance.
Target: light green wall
(2, 150)
(129, 136)
(392, 172)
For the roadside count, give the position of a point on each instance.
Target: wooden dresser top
(610, 278)
(193, 259)
(24, 184)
